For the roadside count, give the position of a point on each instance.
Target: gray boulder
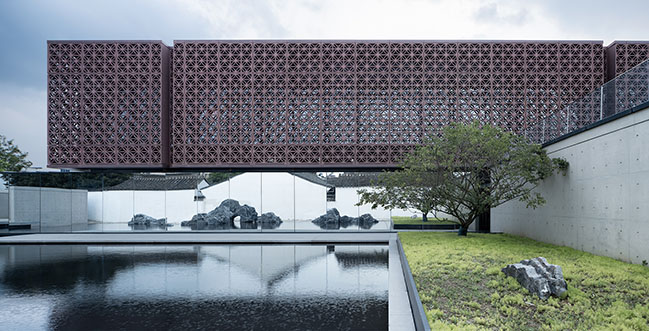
(196, 219)
(220, 215)
(230, 204)
(539, 277)
(366, 221)
(332, 216)
(269, 218)
(142, 219)
(246, 214)
(345, 221)
(332, 220)
(224, 214)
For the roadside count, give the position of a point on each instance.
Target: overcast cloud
(26, 25)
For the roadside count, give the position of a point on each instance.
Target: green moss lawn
(461, 285)
(418, 220)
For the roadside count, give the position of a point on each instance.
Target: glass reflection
(234, 286)
(282, 201)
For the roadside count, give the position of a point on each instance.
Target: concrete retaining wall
(47, 207)
(4, 205)
(602, 205)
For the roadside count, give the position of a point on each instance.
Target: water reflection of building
(33, 267)
(198, 286)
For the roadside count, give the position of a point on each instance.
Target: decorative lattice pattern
(627, 55)
(106, 103)
(630, 87)
(358, 104)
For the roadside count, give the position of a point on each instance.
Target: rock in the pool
(220, 215)
(332, 220)
(198, 219)
(246, 214)
(539, 277)
(332, 216)
(269, 218)
(142, 219)
(224, 214)
(366, 221)
(230, 204)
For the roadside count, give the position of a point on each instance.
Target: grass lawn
(461, 285)
(418, 220)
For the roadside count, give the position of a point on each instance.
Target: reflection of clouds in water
(35, 309)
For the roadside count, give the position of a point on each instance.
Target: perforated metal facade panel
(357, 104)
(108, 104)
(307, 104)
(631, 88)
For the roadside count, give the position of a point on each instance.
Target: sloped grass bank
(461, 285)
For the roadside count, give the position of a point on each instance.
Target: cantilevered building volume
(315, 104)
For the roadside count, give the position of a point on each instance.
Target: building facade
(311, 104)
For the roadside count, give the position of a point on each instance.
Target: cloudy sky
(26, 25)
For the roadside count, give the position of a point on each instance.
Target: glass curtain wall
(310, 203)
(179, 202)
(277, 211)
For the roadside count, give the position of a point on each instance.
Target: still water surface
(219, 287)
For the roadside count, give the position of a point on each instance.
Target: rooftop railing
(618, 95)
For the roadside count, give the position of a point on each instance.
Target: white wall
(346, 199)
(120, 206)
(278, 194)
(246, 188)
(178, 205)
(214, 195)
(602, 205)
(95, 206)
(282, 193)
(49, 207)
(310, 199)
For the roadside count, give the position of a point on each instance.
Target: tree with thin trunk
(11, 157)
(468, 170)
(405, 189)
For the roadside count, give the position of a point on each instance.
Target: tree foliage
(218, 177)
(469, 169)
(11, 157)
(405, 189)
(70, 180)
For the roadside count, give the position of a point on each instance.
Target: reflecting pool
(224, 287)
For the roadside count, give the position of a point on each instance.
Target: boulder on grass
(539, 277)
